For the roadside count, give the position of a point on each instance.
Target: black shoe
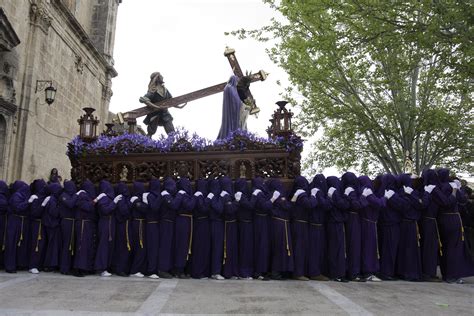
(342, 280)
(10, 271)
(122, 274)
(164, 275)
(276, 276)
(183, 276)
(78, 274)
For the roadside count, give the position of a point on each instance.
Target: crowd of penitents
(352, 228)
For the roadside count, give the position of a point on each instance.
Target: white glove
(182, 192)
(388, 194)
(407, 190)
(297, 193)
(458, 183)
(224, 193)
(133, 199)
(453, 185)
(256, 192)
(367, 192)
(429, 188)
(164, 192)
(314, 191)
(198, 193)
(45, 201)
(118, 198)
(275, 196)
(331, 191)
(145, 197)
(80, 191)
(32, 198)
(210, 195)
(100, 196)
(238, 196)
(348, 190)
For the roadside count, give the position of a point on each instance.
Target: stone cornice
(72, 22)
(8, 37)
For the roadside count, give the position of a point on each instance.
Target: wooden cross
(131, 116)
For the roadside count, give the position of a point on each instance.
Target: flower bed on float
(134, 157)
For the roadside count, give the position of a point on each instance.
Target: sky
(185, 41)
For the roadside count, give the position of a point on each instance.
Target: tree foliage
(383, 80)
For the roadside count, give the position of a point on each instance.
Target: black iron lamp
(48, 88)
(88, 125)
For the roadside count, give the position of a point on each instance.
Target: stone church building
(64, 43)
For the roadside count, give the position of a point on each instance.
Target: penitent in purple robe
(106, 228)
(230, 108)
(169, 208)
(123, 216)
(369, 215)
(67, 210)
(301, 208)
(245, 209)
(409, 252)
(317, 249)
(4, 195)
(431, 247)
(389, 227)
(335, 230)
(16, 239)
(230, 262)
(51, 221)
(37, 247)
(216, 216)
(153, 200)
(281, 242)
(201, 248)
(261, 227)
(85, 227)
(455, 262)
(138, 229)
(184, 225)
(352, 225)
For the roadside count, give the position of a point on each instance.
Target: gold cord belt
(140, 230)
(225, 239)
(286, 234)
(190, 243)
(38, 238)
(126, 236)
(376, 235)
(437, 234)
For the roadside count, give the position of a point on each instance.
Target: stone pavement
(52, 294)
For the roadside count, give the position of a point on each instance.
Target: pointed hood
(241, 185)
(226, 185)
(107, 188)
(122, 188)
(138, 188)
(258, 183)
(38, 187)
(214, 187)
(201, 186)
(170, 185)
(70, 187)
(89, 187)
(319, 181)
(155, 187)
(185, 185)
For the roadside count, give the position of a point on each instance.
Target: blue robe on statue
(230, 109)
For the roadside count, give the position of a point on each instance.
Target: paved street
(55, 294)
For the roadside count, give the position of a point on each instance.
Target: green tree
(383, 80)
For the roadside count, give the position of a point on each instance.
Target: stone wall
(55, 44)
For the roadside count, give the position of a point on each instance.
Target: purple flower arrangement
(179, 141)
